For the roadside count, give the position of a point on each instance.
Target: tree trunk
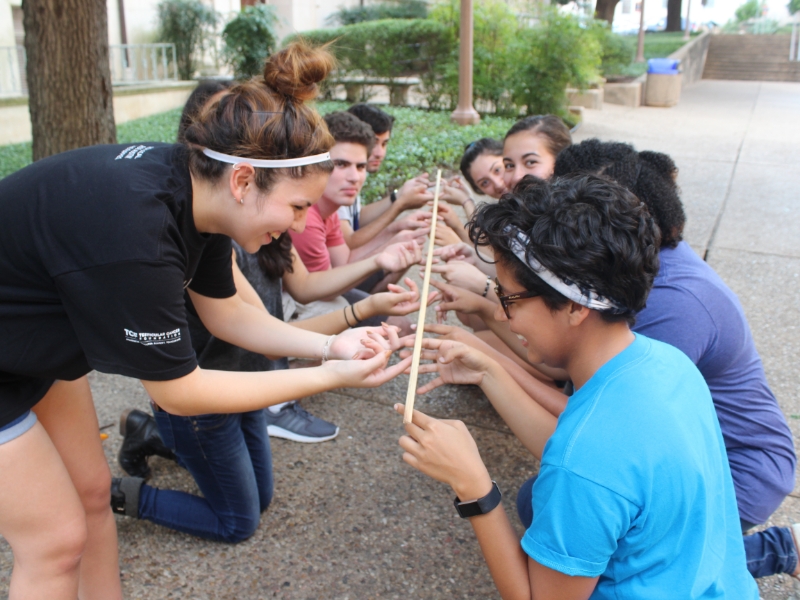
(69, 78)
(674, 15)
(605, 10)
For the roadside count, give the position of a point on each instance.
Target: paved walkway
(350, 520)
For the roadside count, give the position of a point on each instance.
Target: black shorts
(19, 394)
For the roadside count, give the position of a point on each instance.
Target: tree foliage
(249, 39)
(188, 24)
(399, 9)
(793, 6)
(518, 68)
(749, 10)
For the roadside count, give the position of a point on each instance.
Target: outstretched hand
(451, 297)
(398, 257)
(446, 451)
(454, 362)
(398, 301)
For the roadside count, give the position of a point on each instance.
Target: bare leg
(41, 517)
(67, 414)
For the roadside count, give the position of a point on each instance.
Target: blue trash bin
(663, 87)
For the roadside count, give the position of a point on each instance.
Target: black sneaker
(294, 423)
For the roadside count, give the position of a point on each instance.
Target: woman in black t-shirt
(97, 248)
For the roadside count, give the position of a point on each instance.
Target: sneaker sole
(280, 432)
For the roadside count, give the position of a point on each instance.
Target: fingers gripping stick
(423, 305)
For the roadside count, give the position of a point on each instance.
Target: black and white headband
(584, 296)
(281, 163)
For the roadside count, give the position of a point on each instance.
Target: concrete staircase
(750, 57)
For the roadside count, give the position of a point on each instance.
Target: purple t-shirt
(691, 308)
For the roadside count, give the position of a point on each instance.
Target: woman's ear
(242, 177)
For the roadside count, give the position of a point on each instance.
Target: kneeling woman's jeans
(768, 552)
(230, 459)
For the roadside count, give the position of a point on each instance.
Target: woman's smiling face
(265, 216)
(526, 153)
(487, 173)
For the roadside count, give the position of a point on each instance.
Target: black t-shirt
(96, 248)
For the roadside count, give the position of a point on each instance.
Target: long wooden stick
(423, 306)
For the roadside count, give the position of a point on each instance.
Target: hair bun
(296, 70)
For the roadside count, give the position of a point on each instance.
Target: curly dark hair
(475, 149)
(586, 229)
(651, 176)
(345, 127)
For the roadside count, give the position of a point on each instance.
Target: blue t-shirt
(634, 485)
(691, 308)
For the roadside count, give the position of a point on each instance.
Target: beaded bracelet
(486, 289)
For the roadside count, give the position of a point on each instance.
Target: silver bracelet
(327, 347)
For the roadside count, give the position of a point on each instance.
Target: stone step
(750, 58)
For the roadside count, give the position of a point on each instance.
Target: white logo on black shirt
(133, 152)
(153, 339)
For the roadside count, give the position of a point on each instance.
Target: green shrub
(399, 9)
(749, 10)
(617, 52)
(188, 24)
(556, 53)
(388, 48)
(249, 39)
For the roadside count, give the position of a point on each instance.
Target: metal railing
(130, 64)
(12, 71)
(142, 63)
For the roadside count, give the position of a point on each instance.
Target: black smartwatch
(393, 196)
(481, 506)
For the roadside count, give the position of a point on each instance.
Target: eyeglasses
(506, 300)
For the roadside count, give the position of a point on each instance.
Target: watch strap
(481, 506)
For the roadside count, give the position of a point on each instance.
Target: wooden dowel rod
(423, 306)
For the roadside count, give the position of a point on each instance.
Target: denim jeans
(230, 459)
(768, 552)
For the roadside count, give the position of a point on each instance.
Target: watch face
(481, 506)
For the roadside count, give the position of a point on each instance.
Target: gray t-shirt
(213, 353)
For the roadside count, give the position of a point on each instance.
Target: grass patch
(162, 127)
(422, 140)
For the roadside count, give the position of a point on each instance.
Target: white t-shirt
(351, 213)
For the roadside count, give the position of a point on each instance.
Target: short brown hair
(266, 118)
(346, 127)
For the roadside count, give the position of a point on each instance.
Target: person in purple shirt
(691, 308)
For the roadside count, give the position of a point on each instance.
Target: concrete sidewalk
(350, 520)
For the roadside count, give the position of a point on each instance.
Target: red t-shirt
(319, 235)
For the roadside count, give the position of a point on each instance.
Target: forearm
(241, 324)
(370, 212)
(503, 554)
(373, 246)
(205, 391)
(371, 228)
(330, 283)
(551, 399)
(338, 320)
(527, 419)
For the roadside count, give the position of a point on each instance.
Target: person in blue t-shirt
(691, 308)
(634, 497)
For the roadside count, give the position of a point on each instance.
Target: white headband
(588, 297)
(281, 163)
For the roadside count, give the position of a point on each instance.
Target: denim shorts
(17, 427)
